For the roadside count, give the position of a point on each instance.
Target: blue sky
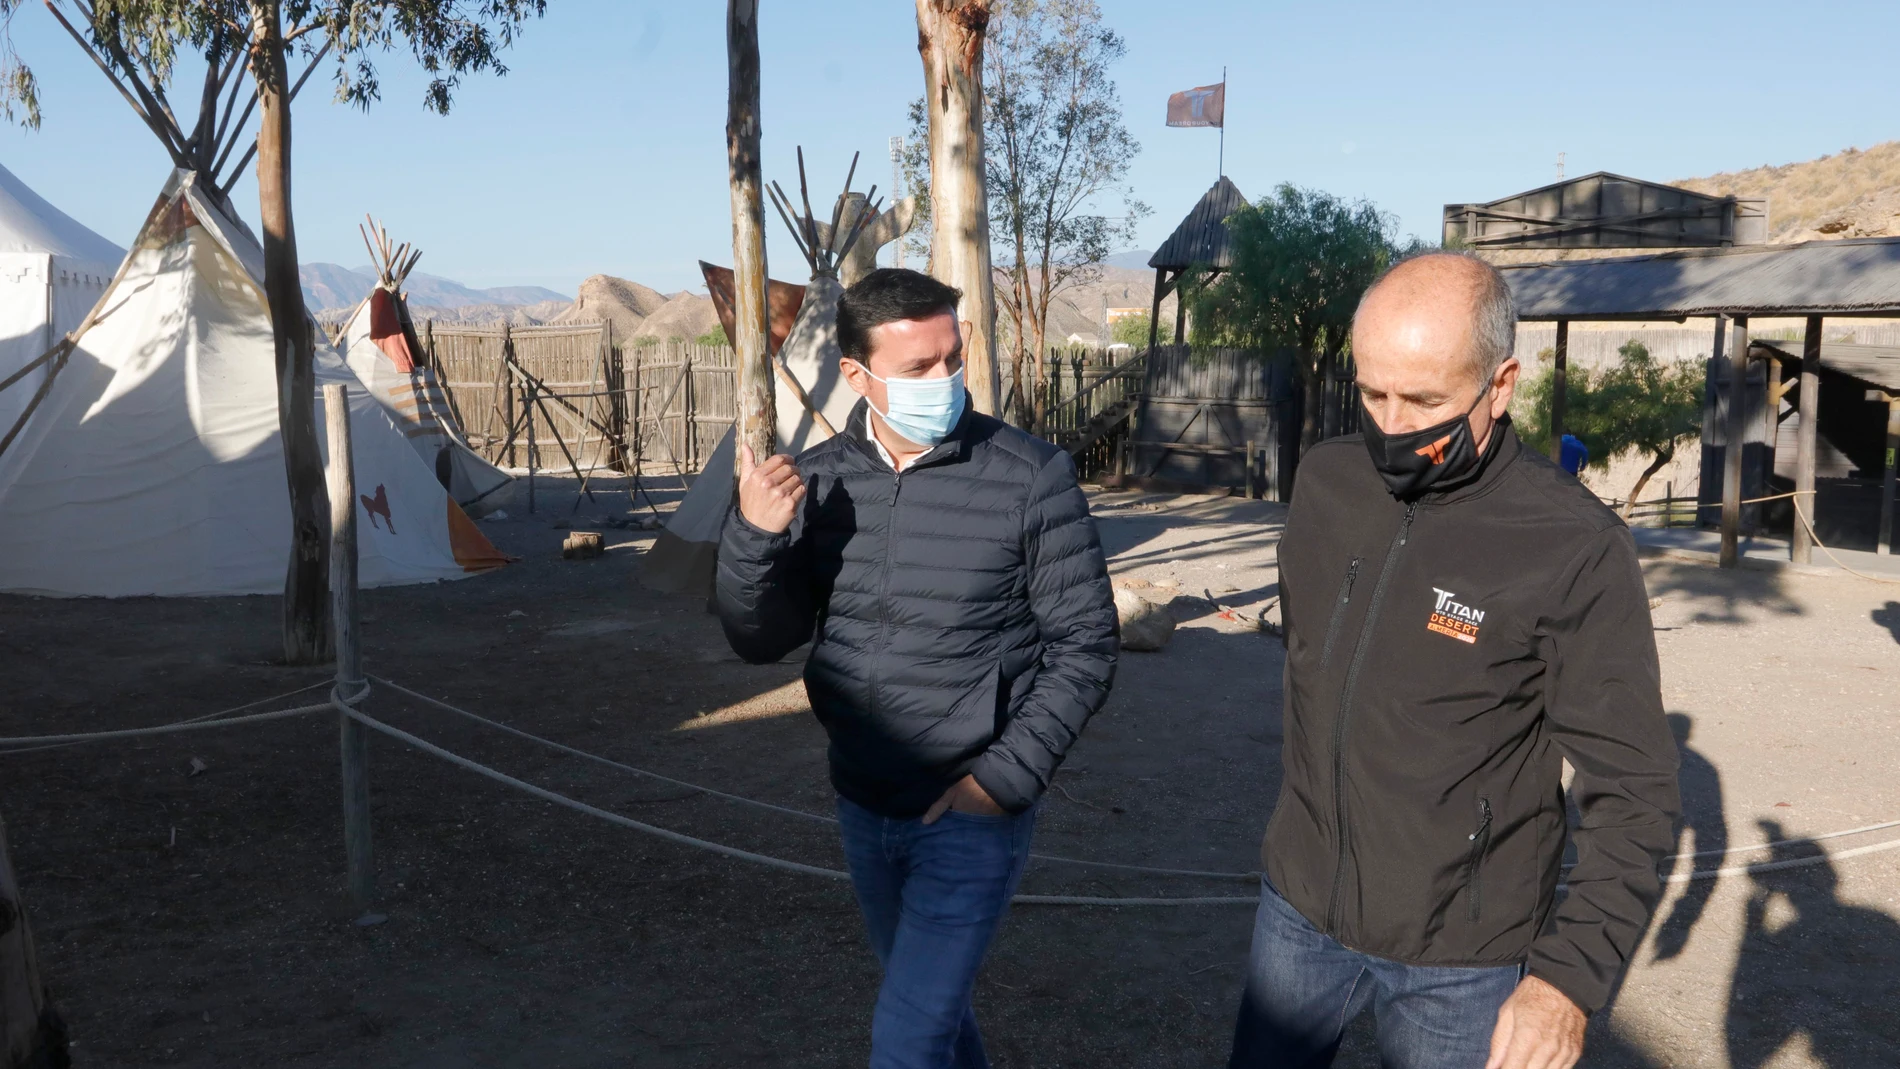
(603, 148)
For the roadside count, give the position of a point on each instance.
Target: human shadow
(1889, 618)
(1704, 825)
(1814, 966)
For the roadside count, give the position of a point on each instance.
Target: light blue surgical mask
(922, 410)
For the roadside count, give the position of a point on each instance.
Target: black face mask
(1414, 462)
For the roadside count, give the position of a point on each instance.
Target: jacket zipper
(1339, 609)
(884, 589)
(1480, 843)
(1345, 707)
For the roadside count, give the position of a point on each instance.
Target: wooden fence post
(1801, 548)
(1890, 478)
(688, 430)
(506, 402)
(346, 625)
(1736, 425)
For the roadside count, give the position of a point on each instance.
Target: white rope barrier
(6, 748)
(47, 741)
(799, 813)
(346, 707)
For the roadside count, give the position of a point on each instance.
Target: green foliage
(1130, 330)
(1055, 145)
(1301, 261)
(1642, 405)
(715, 336)
(141, 39)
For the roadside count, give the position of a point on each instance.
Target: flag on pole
(1201, 106)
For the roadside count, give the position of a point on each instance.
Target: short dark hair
(887, 295)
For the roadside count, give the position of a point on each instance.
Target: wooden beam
(1890, 479)
(1154, 316)
(1732, 451)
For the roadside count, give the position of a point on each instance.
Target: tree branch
(157, 128)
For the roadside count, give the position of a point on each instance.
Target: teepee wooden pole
(758, 412)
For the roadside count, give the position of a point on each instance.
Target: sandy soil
(198, 919)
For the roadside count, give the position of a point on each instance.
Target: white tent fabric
(380, 349)
(683, 556)
(154, 466)
(52, 271)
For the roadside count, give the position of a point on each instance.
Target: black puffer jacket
(962, 613)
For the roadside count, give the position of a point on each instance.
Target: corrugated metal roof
(1878, 364)
(1202, 236)
(1860, 276)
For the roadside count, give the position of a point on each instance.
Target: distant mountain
(1133, 259)
(333, 286)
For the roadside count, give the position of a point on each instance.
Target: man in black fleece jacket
(1461, 616)
(944, 567)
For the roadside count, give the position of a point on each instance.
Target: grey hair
(1494, 333)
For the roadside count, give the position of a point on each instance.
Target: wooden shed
(1605, 210)
(1200, 241)
(1813, 281)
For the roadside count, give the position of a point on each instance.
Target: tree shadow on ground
(1812, 966)
(1889, 618)
(1717, 596)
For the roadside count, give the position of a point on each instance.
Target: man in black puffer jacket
(945, 569)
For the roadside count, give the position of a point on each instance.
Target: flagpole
(1222, 167)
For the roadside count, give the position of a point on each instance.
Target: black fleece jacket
(1443, 655)
(960, 613)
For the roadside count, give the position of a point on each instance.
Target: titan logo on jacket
(1421, 817)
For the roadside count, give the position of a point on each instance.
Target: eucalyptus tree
(137, 45)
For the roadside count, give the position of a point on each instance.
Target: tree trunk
(32, 1036)
(1311, 416)
(1655, 466)
(758, 420)
(306, 586)
(950, 39)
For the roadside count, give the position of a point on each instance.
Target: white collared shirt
(888, 458)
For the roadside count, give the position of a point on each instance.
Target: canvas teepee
(380, 344)
(52, 271)
(812, 401)
(154, 463)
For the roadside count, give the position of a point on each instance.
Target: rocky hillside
(1851, 194)
(638, 311)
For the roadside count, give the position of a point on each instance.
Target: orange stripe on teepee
(385, 329)
(473, 551)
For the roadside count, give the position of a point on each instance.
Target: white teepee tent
(380, 345)
(811, 399)
(52, 271)
(154, 464)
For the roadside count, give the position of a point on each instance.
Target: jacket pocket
(1474, 868)
(1339, 610)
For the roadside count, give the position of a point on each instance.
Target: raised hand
(769, 493)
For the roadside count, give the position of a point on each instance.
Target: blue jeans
(932, 897)
(1303, 987)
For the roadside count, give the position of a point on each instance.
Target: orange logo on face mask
(1436, 450)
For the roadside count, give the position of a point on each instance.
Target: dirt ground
(198, 919)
